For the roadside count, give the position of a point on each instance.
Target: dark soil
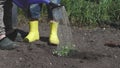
(91, 50)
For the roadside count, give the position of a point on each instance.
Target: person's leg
(10, 20)
(5, 43)
(34, 15)
(50, 16)
(53, 39)
(8, 16)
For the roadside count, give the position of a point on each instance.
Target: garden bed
(90, 50)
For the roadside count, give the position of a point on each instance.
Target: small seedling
(64, 50)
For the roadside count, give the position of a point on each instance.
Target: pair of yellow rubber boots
(34, 32)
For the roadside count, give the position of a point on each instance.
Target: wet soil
(91, 50)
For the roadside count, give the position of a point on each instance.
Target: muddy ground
(90, 44)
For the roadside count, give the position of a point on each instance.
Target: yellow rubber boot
(33, 33)
(53, 33)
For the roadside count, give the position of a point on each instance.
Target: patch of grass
(92, 12)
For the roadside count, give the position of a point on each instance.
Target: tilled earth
(90, 45)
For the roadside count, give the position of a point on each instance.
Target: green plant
(63, 50)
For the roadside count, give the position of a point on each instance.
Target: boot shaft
(33, 26)
(53, 26)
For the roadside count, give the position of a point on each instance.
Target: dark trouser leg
(10, 24)
(50, 15)
(8, 15)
